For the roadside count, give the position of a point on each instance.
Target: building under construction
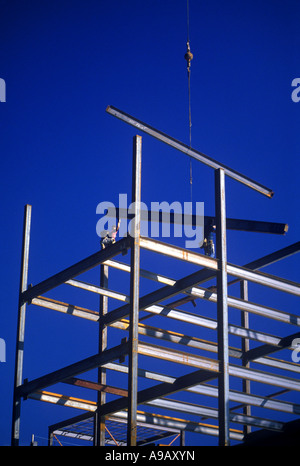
(199, 369)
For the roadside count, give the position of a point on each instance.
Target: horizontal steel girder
(243, 273)
(149, 419)
(165, 311)
(256, 226)
(164, 388)
(209, 390)
(189, 151)
(76, 269)
(208, 364)
(273, 343)
(173, 405)
(209, 412)
(72, 370)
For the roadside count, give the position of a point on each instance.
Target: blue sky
(63, 62)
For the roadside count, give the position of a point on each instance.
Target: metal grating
(116, 432)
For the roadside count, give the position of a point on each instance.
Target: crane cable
(189, 56)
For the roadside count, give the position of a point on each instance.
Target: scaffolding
(211, 377)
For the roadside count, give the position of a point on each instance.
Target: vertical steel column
(245, 347)
(222, 308)
(182, 438)
(21, 327)
(134, 292)
(50, 439)
(99, 421)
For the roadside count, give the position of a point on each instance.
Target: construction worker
(208, 242)
(110, 237)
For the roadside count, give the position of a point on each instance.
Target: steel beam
(190, 426)
(96, 386)
(242, 273)
(156, 420)
(189, 151)
(255, 265)
(65, 308)
(76, 269)
(188, 359)
(84, 365)
(99, 290)
(15, 436)
(209, 390)
(245, 347)
(181, 316)
(148, 394)
(273, 257)
(203, 293)
(157, 296)
(286, 342)
(222, 309)
(179, 253)
(273, 343)
(264, 279)
(99, 421)
(256, 226)
(209, 412)
(134, 293)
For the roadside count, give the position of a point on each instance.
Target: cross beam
(189, 151)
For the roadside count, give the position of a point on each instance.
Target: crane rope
(189, 56)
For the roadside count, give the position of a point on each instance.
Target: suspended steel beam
(189, 151)
(255, 226)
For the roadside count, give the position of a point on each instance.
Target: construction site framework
(127, 317)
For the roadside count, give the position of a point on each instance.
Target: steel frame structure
(127, 317)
